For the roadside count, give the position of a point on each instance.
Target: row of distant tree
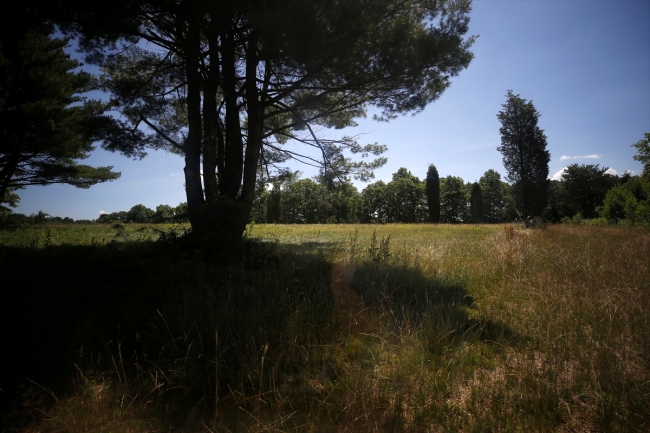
(137, 214)
(402, 200)
(585, 191)
(142, 214)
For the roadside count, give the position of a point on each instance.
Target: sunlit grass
(378, 328)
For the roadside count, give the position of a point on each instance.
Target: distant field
(40, 235)
(419, 328)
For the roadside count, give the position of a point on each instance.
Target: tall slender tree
(433, 193)
(523, 146)
(476, 203)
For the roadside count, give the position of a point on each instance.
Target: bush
(576, 220)
(618, 202)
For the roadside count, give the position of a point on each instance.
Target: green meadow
(319, 328)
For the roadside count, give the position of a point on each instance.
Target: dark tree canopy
(453, 200)
(273, 206)
(433, 193)
(404, 198)
(476, 203)
(227, 84)
(584, 188)
(497, 200)
(523, 146)
(46, 125)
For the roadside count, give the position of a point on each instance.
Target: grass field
(418, 328)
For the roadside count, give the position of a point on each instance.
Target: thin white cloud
(611, 171)
(558, 175)
(592, 156)
(102, 212)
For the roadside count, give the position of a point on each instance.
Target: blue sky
(585, 64)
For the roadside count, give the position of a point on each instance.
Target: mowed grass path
(361, 328)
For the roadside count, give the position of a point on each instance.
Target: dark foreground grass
(328, 328)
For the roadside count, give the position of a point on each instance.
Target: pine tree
(433, 193)
(523, 146)
(45, 125)
(255, 75)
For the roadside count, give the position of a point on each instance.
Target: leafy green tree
(584, 189)
(495, 197)
(636, 210)
(643, 153)
(433, 193)
(164, 214)
(305, 202)
(345, 201)
(140, 214)
(405, 199)
(642, 212)
(453, 200)
(556, 208)
(374, 203)
(111, 217)
(477, 210)
(46, 126)
(639, 187)
(180, 213)
(618, 202)
(523, 146)
(226, 83)
(40, 217)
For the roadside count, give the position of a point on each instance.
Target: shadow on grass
(211, 324)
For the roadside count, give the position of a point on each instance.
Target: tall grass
(357, 328)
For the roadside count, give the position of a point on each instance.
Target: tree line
(585, 191)
(404, 199)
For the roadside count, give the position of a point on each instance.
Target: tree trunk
(255, 124)
(192, 145)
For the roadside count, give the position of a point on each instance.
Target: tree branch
(162, 134)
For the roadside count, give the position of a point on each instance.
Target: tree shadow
(69, 305)
(60, 301)
(438, 308)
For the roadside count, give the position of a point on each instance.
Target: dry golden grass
(399, 328)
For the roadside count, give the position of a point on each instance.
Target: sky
(585, 65)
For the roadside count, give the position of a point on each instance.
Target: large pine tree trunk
(229, 171)
(192, 145)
